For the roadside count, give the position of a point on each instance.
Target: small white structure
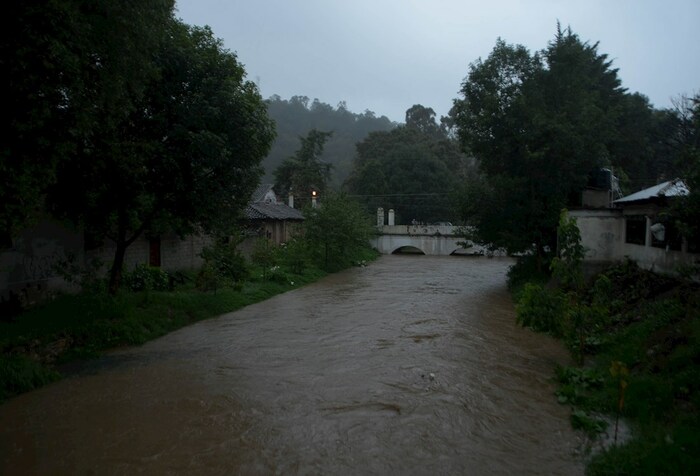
(637, 228)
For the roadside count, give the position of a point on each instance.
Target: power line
(403, 195)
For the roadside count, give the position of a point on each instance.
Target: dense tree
(70, 70)
(423, 118)
(185, 159)
(687, 209)
(538, 124)
(305, 171)
(337, 231)
(411, 169)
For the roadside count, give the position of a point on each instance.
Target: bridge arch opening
(407, 250)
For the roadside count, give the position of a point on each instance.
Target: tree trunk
(115, 274)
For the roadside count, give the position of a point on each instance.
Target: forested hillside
(297, 116)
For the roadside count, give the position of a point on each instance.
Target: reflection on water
(413, 365)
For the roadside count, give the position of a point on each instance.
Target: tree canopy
(411, 169)
(71, 70)
(157, 128)
(538, 125)
(305, 172)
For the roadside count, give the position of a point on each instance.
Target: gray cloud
(386, 55)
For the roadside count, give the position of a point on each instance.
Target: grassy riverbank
(36, 343)
(638, 337)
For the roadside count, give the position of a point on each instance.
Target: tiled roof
(672, 188)
(272, 211)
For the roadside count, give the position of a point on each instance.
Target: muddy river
(412, 365)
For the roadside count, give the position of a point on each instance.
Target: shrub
(264, 255)
(525, 271)
(542, 310)
(294, 255)
(146, 278)
(20, 374)
(223, 265)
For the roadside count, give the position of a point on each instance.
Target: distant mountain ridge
(298, 115)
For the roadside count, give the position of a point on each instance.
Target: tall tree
(687, 209)
(538, 124)
(337, 232)
(70, 69)
(305, 171)
(423, 118)
(408, 169)
(185, 159)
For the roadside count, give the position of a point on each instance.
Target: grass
(653, 330)
(84, 325)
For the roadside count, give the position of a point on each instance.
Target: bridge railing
(424, 230)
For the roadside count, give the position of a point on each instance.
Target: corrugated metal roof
(672, 188)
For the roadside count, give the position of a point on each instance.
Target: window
(665, 234)
(635, 229)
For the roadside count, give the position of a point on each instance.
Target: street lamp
(313, 198)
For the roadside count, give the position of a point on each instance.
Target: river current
(412, 365)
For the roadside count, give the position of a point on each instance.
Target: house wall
(176, 253)
(28, 268)
(603, 236)
(279, 231)
(601, 233)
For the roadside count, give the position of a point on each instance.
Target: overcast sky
(387, 55)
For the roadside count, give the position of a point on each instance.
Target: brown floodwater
(412, 365)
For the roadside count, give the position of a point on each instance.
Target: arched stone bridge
(426, 239)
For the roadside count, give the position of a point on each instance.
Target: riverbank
(637, 337)
(37, 343)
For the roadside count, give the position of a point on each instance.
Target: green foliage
(526, 270)
(223, 265)
(86, 275)
(567, 266)
(295, 255)
(89, 323)
(664, 451)
(146, 278)
(265, 255)
(20, 374)
(576, 384)
(197, 121)
(336, 232)
(687, 208)
(411, 169)
(71, 72)
(525, 116)
(645, 372)
(542, 310)
(580, 420)
(305, 173)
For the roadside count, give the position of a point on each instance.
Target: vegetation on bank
(635, 336)
(153, 302)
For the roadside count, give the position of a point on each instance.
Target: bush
(19, 374)
(294, 255)
(223, 265)
(146, 278)
(265, 255)
(542, 310)
(525, 271)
